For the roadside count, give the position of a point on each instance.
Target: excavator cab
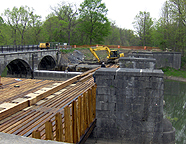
(114, 54)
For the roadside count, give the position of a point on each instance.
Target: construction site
(27, 105)
(65, 108)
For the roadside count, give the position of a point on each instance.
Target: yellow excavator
(112, 54)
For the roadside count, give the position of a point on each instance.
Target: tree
(114, 37)
(19, 20)
(35, 28)
(67, 13)
(53, 29)
(143, 24)
(1, 20)
(94, 22)
(178, 10)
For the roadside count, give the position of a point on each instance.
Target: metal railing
(17, 48)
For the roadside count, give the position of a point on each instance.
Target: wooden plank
(85, 111)
(59, 129)
(67, 123)
(74, 120)
(49, 130)
(87, 132)
(79, 118)
(82, 115)
(89, 106)
(94, 101)
(36, 134)
(41, 95)
(70, 124)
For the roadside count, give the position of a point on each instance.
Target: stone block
(103, 90)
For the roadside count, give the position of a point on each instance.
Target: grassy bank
(173, 72)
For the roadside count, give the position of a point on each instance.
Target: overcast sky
(120, 11)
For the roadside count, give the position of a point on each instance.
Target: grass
(4, 73)
(173, 72)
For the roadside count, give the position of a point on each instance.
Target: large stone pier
(129, 105)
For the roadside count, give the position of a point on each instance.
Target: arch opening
(47, 63)
(19, 68)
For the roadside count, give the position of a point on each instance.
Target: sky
(122, 12)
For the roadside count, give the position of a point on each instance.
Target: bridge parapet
(27, 57)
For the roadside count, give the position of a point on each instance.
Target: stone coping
(137, 59)
(156, 52)
(130, 71)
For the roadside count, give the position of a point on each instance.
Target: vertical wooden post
(79, 118)
(59, 129)
(90, 105)
(85, 111)
(74, 122)
(94, 101)
(36, 134)
(82, 115)
(48, 130)
(67, 123)
(70, 125)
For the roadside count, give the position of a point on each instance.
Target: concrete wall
(163, 59)
(137, 63)
(54, 75)
(129, 105)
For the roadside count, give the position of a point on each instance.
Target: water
(175, 107)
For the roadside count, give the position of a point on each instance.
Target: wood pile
(9, 91)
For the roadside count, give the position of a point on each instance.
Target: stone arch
(47, 63)
(19, 68)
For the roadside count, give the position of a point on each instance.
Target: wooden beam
(59, 129)
(36, 134)
(49, 130)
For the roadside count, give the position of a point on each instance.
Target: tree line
(88, 24)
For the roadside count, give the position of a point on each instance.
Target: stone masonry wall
(129, 105)
(137, 63)
(163, 59)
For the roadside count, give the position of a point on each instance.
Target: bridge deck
(66, 114)
(25, 121)
(9, 91)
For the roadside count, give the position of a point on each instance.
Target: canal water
(175, 107)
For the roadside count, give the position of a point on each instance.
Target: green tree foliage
(1, 20)
(67, 13)
(19, 20)
(94, 22)
(119, 36)
(89, 25)
(170, 29)
(143, 24)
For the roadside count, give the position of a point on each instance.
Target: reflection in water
(175, 107)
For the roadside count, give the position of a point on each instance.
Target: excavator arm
(94, 54)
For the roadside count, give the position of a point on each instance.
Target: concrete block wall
(137, 63)
(163, 59)
(129, 105)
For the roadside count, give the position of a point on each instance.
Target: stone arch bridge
(22, 64)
